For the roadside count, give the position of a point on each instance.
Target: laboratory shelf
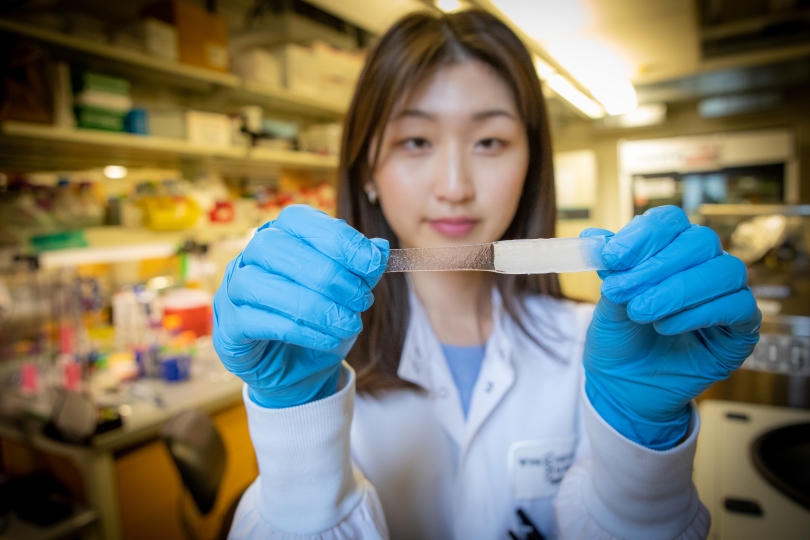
(68, 258)
(28, 146)
(113, 236)
(115, 244)
(283, 99)
(119, 54)
(128, 63)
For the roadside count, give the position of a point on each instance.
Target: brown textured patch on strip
(474, 257)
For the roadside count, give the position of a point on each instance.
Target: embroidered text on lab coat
(536, 468)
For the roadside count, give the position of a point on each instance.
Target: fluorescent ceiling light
(565, 31)
(115, 171)
(617, 95)
(599, 68)
(650, 114)
(448, 6)
(544, 69)
(589, 57)
(563, 88)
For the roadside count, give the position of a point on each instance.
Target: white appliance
(744, 505)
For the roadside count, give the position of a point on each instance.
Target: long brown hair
(416, 46)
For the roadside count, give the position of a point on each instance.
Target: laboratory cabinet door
(150, 490)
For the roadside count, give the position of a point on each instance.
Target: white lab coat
(408, 465)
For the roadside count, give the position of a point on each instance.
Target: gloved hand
(675, 316)
(288, 310)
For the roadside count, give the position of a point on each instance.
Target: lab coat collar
(413, 364)
(423, 364)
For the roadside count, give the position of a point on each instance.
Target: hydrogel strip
(539, 256)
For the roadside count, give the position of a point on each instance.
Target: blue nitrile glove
(288, 310)
(675, 316)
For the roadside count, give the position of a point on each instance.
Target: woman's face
(453, 159)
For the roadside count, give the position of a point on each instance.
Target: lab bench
(127, 476)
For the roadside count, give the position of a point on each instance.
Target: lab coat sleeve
(307, 487)
(626, 491)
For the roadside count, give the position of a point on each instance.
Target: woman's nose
(453, 178)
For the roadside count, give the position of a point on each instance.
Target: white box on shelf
(160, 38)
(299, 68)
(339, 68)
(338, 71)
(103, 100)
(150, 36)
(320, 70)
(63, 115)
(258, 65)
(169, 123)
(321, 139)
(208, 129)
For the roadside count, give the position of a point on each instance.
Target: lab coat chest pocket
(537, 467)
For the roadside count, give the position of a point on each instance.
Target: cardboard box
(339, 71)
(299, 67)
(258, 65)
(103, 100)
(97, 118)
(88, 80)
(150, 36)
(202, 36)
(160, 39)
(322, 139)
(320, 70)
(338, 67)
(168, 123)
(208, 129)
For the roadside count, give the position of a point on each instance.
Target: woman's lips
(453, 227)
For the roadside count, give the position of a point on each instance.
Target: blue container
(137, 121)
(175, 368)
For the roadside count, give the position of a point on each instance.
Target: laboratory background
(143, 142)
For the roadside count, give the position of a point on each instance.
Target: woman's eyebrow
(477, 117)
(416, 113)
(483, 115)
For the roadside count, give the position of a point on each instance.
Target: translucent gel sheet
(509, 257)
(474, 257)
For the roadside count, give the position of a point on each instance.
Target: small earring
(371, 193)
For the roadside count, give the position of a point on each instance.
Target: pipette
(539, 256)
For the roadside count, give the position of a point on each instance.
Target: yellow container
(169, 213)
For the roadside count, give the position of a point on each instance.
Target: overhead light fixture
(448, 6)
(544, 69)
(650, 114)
(617, 95)
(563, 30)
(115, 171)
(600, 68)
(566, 90)
(563, 88)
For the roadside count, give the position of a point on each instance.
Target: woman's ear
(371, 192)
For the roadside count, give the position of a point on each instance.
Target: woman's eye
(491, 143)
(416, 143)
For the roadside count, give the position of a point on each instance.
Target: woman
(472, 401)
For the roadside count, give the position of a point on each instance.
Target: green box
(60, 240)
(97, 118)
(88, 80)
